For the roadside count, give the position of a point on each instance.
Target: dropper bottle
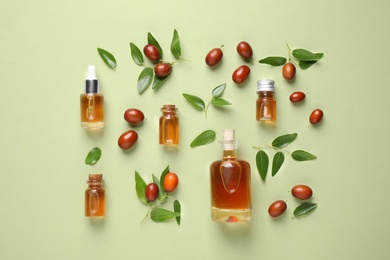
(92, 102)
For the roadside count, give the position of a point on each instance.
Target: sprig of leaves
(304, 58)
(215, 100)
(262, 159)
(156, 212)
(93, 156)
(147, 76)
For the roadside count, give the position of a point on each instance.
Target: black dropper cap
(91, 83)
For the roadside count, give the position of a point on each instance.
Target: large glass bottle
(95, 199)
(92, 102)
(266, 102)
(230, 180)
(169, 126)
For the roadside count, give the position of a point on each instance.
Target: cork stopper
(169, 108)
(229, 140)
(95, 177)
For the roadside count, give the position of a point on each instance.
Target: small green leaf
(195, 101)
(145, 78)
(140, 187)
(161, 191)
(157, 81)
(262, 162)
(136, 54)
(306, 64)
(304, 209)
(277, 162)
(220, 102)
(108, 58)
(218, 91)
(204, 138)
(284, 140)
(175, 45)
(305, 55)
(152, 40)
(300, 155)
(161, 215)
(274, 61)
(162, 177)
(177, 209)
(93, 156)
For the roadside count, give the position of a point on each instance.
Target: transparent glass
(92, 110)
(266, 106)
(169, 126)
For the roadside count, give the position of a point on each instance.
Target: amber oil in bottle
(266, 102)
(169, 126)
(95, 200)
(230, 180)
(92, 102)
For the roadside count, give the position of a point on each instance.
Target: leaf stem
(147, 215)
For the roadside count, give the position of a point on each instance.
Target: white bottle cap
(91, 82)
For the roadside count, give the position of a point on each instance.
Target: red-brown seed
(213, 57)
(170, 182)
(127, 139)
(297, 97)
(151, 52)
(277, 208)
(302, 192)
(151, 192)
(288, 71)
(134, 116)
(241, 74)
(244, 50)
(162, 69)
(316, 116)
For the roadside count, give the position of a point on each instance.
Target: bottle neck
(229, 154)
(266, 94)
(95, 184)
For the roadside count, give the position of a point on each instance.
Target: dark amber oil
(169, 126)
(95, 197)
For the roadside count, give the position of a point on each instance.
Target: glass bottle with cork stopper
(169, 126)
(92, 102)
(230, 183)
(95, 199)
(266, 102)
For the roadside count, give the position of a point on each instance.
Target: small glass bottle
(266, 103)
(230, 180)
(169, 126)
(92, 102)
(95, 201)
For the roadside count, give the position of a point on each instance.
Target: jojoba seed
(241, 74)
(151, 52)
(134, 116)
(244, 50)
(277, 208)
(297, 97)
(288, 71)
(162, 69)
(170, 182)
(213, 57)
(151, 192)
(302, 192)
(128, 139)
(316, 116)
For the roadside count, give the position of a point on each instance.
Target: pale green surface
(46, 47)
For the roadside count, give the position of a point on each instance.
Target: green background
(46, 47)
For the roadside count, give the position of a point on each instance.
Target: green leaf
(306, 64)
(158, 81)
(163, 174)
(204, 138)
(140, 187)
(136, 54)
(304, 209)
(145, 78)
(152, 40)
(305, 55)
(262, 162)
(93, 156)
(161, 215)
(108, 58)
(195, 101)
(284, 140)
(161, 191)
(274, 61)
(300, 155)
(277, 162)
(220, 102)
(175, 45)
(218, 91)
(177, 209)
